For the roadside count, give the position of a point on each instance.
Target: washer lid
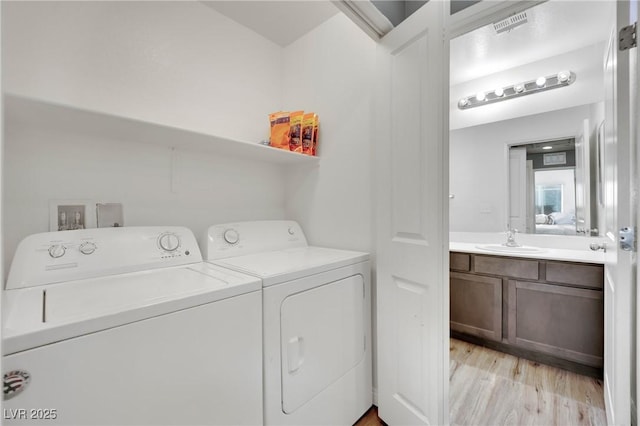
(285, 265)
(46, 314)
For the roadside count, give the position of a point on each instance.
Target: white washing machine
(316, 320)
(128, 326)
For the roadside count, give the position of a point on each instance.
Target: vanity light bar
(541, 84)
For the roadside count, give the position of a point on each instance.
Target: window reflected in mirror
(555, 201)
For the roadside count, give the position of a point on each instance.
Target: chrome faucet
(511, 238)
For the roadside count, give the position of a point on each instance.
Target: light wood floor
(492, 388)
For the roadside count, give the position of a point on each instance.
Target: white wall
(42, 165)
(184, 64)
(177, 63)
(478, 164)
(330, 71)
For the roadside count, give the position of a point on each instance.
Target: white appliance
(128, 326)
(316, 320)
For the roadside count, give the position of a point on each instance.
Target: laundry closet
(160, 107)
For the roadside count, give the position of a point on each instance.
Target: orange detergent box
(280, 128)
(316, 127)
(295, 122)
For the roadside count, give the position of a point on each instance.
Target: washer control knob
(87, 247)
(231, 236)
(57, 250)
(291, 230)
(169, 241)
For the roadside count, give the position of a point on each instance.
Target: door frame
(485, 13)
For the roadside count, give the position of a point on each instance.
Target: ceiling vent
(510, 23)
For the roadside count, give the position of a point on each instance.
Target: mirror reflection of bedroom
(547, 190)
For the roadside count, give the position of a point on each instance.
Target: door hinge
(627, 37)
(628, 239)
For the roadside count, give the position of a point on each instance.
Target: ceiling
(558, 35)
(553, 28)
(282, 22)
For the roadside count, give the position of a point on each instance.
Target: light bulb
(541, 81)
(547, 147)
(563, 76)
(519, 88)
(499, 92)
(480, 96)
(463, 102)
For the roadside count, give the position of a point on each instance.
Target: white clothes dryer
(316, 320)
(128, 326)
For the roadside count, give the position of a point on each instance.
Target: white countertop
(555, 247)
(562, 254)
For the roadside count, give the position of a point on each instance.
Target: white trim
(608, 402)
(365, 15)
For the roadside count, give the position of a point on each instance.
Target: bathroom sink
(504, 249)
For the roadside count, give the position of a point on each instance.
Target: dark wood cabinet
(549, 311)
(476, 305)
(506, 267)
(561, 321)
(459, 262)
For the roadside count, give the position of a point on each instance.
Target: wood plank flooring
(492, 388)
(487, 387)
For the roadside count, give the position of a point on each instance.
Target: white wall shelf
(25, 110)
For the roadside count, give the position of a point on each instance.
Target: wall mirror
(543, 184)
(488, 61)
(549, 187)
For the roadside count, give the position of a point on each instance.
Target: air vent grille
(510, 23)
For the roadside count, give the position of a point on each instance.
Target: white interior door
(634, 76)
(619, 212)
(518, 188)
(583, 181)
(531, 190)
(412, 222)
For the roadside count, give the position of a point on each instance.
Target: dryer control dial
(231, 236)
(87, 248)
(169, 241)
(57, 250)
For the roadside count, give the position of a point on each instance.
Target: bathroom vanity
(550, 311)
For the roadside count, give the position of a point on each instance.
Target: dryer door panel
(322, 338)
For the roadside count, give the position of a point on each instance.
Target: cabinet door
(561, 321)
(476, 305)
